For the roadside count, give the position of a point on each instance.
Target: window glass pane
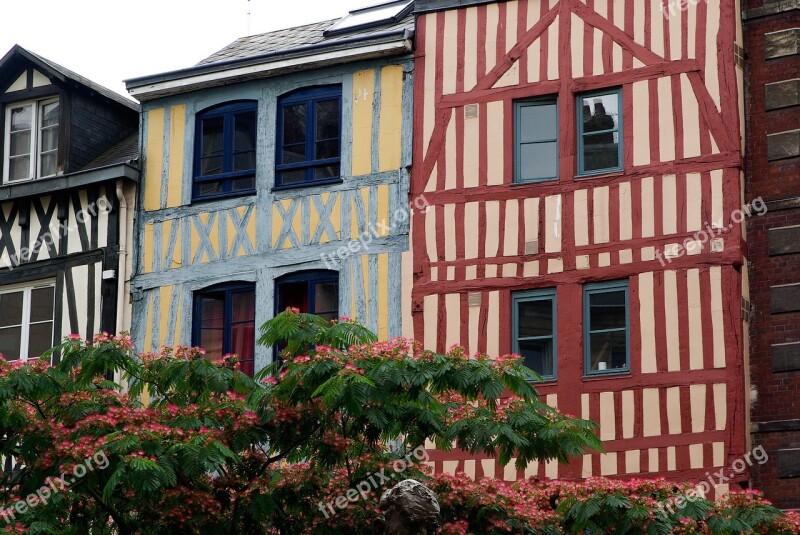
(213, 137)
(10, 342)
(247, 366)
(50, 114)
(294, 124)
(538, 123)
(330, 316)
(326, 297)
(211, 341)
(601, 151)
(608, 351)
(327, 171)
(244, 306)
(535, 318)
(538, 355)
(327, 149)
(11, 309)
(42, 304)
(244, 161)
(20, 143)
(19, 168)
(294, 153)
(327, 119)
(41, 339)
(21, 118)
(48, 165)
(293, 294)
(244, 184)
(212, 312)
(49, 139)
(210, 188)
(538, 160)
(293, 177)
(600, 112)
(211, 166)
(243, 339)
(607, 310)
(244, 132)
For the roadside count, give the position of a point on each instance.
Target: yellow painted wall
(391, 118)
(154, 159)
(363, 102)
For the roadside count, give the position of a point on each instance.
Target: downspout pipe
(123, 257)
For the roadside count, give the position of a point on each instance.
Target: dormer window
(31, 140)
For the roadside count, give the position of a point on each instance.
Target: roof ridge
(68, 73)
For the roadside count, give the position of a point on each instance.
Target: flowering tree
(215, 450)
(306, 447)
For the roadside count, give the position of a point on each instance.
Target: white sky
(109, 41)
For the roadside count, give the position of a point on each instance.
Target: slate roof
(46, 64)
(292, 39)
(124, 152)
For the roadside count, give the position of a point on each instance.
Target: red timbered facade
(587, 155)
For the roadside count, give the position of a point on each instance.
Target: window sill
(546, 381)
(221, 196)
(610, 374)
(43, 186)
(516, 182)
(326, 182)
(603, 174)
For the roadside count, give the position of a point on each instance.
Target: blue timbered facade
(275, 174)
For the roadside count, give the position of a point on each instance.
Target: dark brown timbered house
(69, 170)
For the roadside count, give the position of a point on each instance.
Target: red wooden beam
(540, 189)
(517, 50)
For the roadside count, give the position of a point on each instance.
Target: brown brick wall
(773, 177)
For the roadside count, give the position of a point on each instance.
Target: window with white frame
(26, 320)
(31, 140)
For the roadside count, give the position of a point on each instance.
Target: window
(536, 140)
(314, 292)
(225, 153)
(605, 318)
(26, 321)
(534, 317)
(31, 140)
(599, 132)
(225, 323)
(371, 16)
(309, 135)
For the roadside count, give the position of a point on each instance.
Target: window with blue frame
(225, 151)
(224, 322)
(309, 137)
(605, 323)
(600, 132)
(312, 292)
(534, 330)
(535, 140)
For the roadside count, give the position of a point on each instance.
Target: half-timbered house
(69, 173)
(275, 176)
(583, 164)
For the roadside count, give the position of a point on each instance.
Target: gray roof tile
(126, 151)
(300, 36)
